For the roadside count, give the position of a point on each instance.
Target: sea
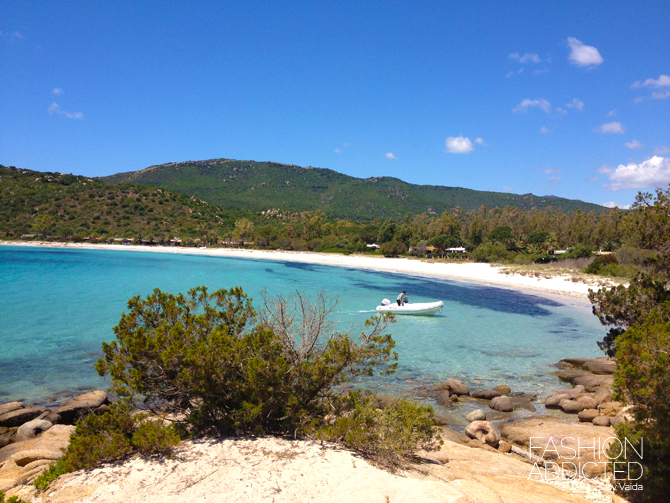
(57, 305)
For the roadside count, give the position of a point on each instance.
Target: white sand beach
(551, 284)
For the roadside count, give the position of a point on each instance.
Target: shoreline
(558, 286)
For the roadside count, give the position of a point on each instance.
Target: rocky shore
(499, 456)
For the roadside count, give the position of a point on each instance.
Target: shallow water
(57, 306)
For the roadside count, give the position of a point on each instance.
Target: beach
(556, 285)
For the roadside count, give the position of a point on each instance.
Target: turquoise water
(57, 306)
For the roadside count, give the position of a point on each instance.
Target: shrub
(201, 356)
(600, 261)
(642, 380)
(393, 249)
(110, 437)
(491, 252)
(389, 436)
(579, 251)
(13, 499)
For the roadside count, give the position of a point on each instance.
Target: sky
(553, 98)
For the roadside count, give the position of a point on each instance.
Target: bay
(57, 305)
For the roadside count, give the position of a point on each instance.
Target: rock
(502, 404)
(103, 409)
(484, 432)
(503, 389)
(593, 381)
(31, 429)
(50, 416)
(476, 415)
(570, 375)
(610, 408)
(440, 456)
(602, 421)
(454, 436)
(80, 406)
(19, 416)
(456, 387)
(553, 401)
(523, 401)
(12, 406)
(485, 394)
(4, 440)
(602, 395)
(504, 446)
(600, 366)
(568, 363)
(13, 475)
(588, 415)
(566, 394)
(54, 440)
(559, 441)
(588, 402)
(571, 406)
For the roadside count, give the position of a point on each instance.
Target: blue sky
(563, 98)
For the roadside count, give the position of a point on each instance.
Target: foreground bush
(109, 437)
(13, 499)
(213, 361)
(642, 380)
(389, 436)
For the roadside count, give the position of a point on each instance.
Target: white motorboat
(417, 309)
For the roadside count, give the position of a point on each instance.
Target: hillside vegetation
(67, 207)
(259, 186)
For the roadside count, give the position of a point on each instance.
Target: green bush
(642, 380)
(109, 437)
(205, 358)
(389, 436)
(13, 499)
(393, 249)
(579, 251)
(491, 252)
(600, 261)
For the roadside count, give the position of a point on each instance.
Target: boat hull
(419, 309)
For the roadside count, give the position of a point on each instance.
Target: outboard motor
(386, 302)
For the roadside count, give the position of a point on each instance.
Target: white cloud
(338, 150)
(633, 144)
(612, 204)
(610, 128)
(550, 171)
(560, 111)
(526, 58)
(57, 91)
(639, 99)
(661, 96)
(593, 179)
(662, 81)
(55, 108)
(654, 172)
(611, 113)
(480, 141)
(458, 145)
(509, 74)
(578, 104)
(583, 55)
(605, 169)
(540, 72)
(541, 103)
(661, 150)
(544, 130)
(389, 155)
(506, 188)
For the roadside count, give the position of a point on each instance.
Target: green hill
(259, 186)
(71, 207)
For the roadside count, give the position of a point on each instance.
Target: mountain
(69, 206)
(258, 186)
